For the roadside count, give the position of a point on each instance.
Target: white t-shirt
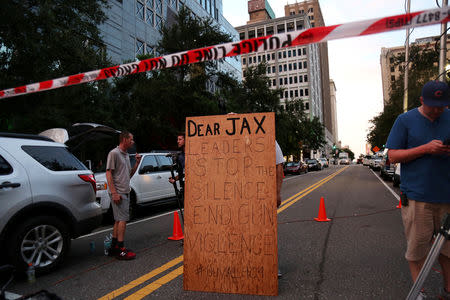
(278, 154)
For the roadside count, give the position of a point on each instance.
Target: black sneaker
(113, 251)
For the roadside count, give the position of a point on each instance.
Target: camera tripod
(444, 234)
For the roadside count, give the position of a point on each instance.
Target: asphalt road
(359, 254)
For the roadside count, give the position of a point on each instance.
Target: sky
(354, 62)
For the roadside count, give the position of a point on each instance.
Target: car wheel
(42, 241)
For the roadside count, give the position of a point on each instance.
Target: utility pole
(443, 52)
(405, 92)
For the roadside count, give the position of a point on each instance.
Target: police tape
(254, 45)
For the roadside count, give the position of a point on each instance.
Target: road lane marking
(128, 224)
(142, 279)
(397, 197)
(293, 199)
(179, 271)
(145, 291)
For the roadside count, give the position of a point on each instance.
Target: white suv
(149, 185)
(47, 197)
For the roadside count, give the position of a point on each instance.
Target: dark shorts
(121, 211)
(421, 221)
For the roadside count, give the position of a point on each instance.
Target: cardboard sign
(230, 204)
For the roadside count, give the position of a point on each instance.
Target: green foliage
(41, 40)
(423, 67)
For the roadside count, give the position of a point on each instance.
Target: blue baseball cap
(436, 93)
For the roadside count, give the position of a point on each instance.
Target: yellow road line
(155, 284)
(145, 291)
(310, 189)
(142, 279)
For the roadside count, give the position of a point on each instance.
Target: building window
(260, 32)
(291, 93)
(242, 36)
(313, 25)
(391, 60)
(279, 55)
(306, 92)
(244, 61)
(290, 80)
(304, 51)
(305, 65)
(274, 82)
(306, 105)
(285, 81)
(290, 26)
(281, 81)
(273, 69)
(294, 53)
(284, 54)
(140, 48)
(268, 70)
(300, 78)
(286, 94)
(259, 58)
(273, 56)
(392, 69)
(289, 53)
(280, 28)
(148, 49)
(299, 65)
(300, 24)
(290, 67)
(280, 68)
(285, 67)
(301, 92)
(296, 92)
(269, 30)
(306, 78)
(150, 11)
(251, 34)
(392, 78)
(268, 57)
(295, 65)
(295, 79)
(311, 17)
(299, 52)
(310, 10)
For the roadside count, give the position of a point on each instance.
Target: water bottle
(31, 275)
(107, 243)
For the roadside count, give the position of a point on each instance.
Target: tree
(41, 40)
(154, 105)
(423, 67)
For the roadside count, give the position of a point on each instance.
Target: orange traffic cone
(322, 217)
(177, 231)
(399, 202)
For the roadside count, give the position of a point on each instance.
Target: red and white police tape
(259, 44)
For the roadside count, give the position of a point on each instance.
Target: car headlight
(101, 185)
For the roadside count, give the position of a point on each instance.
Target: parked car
(149, 185)
(324, 162)
(313, 164)
(386, 168)
(366, 160)
(344, 161)
(294, 167)
(47, 198)
(375, 162)
(396, 177)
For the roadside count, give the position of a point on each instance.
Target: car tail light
(89, 178)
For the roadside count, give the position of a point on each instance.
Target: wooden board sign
(230, 204)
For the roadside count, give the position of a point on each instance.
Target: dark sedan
(293, 167)
(313, 164)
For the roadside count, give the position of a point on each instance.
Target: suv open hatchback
(47, 198)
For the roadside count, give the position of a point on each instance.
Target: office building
(311, 10)
(132, 27)
(391, 72)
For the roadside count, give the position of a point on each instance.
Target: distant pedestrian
(118, 174)
(417, 142)
(180, 162)
(279, 161)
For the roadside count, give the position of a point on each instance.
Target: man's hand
(116, 198)
(437, 147)
(171, 180)
(138, 158)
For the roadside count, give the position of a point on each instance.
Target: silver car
(47, 197)
(150, 183)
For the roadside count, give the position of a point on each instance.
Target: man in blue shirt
(417, 142)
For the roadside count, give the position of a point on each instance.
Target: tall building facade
(390, 72)
(334, 122)
(133, 27)
(310, 9)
